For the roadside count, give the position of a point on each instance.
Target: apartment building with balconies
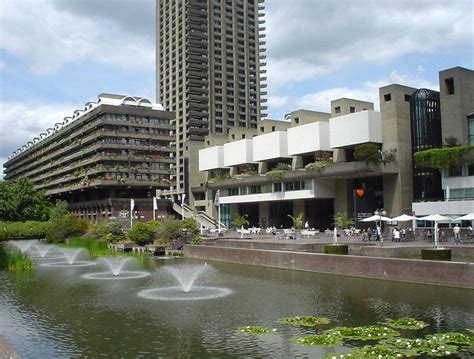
(115, 149)
(210, 72)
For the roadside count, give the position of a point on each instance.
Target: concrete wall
(345, 105)
(451, 274)
(211, 158)
(396, 134)
(270, 146)
(308, 138)
(355, 128)
(238, 152)
(455, 107)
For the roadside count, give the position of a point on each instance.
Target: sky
(56, 55)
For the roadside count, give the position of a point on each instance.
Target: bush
(109, 231)
(23, 230)
(141, 234)
(66, 225)
(170, 229)
(368, 152)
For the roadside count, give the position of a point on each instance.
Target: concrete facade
(210, 73)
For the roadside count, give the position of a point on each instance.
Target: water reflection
(58, 313)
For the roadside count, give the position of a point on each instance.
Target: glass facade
(470, 128)
(425, 119)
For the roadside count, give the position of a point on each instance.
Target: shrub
(368, 152)
(441, 157)
(170, 229)
(23, 230)
(318, 165)
(275, 175)
(141, 234)
(240, 220)
(297, 221)
(109, 231)
(66, 225)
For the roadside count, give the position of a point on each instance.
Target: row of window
(138, 119)
(267, 188)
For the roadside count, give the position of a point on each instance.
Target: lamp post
(380, 212)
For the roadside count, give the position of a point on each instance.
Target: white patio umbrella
(375, 219)
(436, 218)
(467, 217)
(404, 218)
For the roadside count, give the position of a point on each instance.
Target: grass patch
(14, 261)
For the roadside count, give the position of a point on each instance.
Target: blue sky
(56, 55)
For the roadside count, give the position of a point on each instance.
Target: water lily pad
(304, 321)
(337, 355)
(381, 351)
(417, 345)
(406, 323)
(452, 337)
(370, 332)
(255, 330)
(319, 340)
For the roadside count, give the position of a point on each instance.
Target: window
(297, 120)
(407, 98)
(273, 128)
(262, 129)
(243, 136)
(387, 97)
(470, 129)
(337, 109)
(449, 84)
(352, 109)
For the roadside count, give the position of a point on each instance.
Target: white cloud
(307, 39)
(366, 91)
(21, 122)
(46, 37)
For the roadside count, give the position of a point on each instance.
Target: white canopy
(467, 217)
(404, 218)
(375, 219)
(434, 217)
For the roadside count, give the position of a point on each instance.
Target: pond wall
(453, 274)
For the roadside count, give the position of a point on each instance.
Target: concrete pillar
(341, 200)
(298, 207)
(264, 210)
(262, 168)
(297, 162)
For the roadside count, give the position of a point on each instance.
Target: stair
(200, 217)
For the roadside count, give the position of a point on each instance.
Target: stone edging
(451, 274)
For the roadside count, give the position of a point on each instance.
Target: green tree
(20, 201)
(368, 152)
(240, 220)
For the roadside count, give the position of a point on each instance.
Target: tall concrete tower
(209, 72)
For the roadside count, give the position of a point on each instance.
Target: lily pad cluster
(255, 330)
(406, 323)
(369, 332)
(388, 343)
(322, 340)
(304, 321)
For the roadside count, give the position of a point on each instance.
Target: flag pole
(132, 204)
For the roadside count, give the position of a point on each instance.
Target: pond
(71, 311)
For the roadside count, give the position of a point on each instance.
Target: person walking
(457, 234)
(396, 235)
